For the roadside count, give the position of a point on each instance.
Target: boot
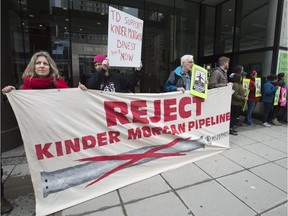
(233, 132)
(6, 206)
(275, 122)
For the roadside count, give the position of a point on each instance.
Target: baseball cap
(99, 58)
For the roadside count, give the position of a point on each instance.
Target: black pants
(234, 115)
(278, 112)
(267, 109)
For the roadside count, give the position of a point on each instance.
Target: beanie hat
(99, 58)
(253, 73)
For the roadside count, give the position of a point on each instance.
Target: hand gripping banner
(83, 144)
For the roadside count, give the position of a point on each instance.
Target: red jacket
(252, 88)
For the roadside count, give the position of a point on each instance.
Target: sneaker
(266, 124)
(275, 122)
(6, 206)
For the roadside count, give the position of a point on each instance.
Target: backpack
(176, 78)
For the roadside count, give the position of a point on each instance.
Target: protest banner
(125, 33)
(83, 144)
(199, 84)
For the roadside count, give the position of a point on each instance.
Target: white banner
(83, 144)
(125, 33)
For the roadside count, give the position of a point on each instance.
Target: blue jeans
(251, 106)
(267, 109)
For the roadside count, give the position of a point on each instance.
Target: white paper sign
(125, 33)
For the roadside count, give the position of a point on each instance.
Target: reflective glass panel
(257, 24)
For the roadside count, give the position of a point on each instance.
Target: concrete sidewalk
(248, 179)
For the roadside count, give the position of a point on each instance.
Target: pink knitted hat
(99, 58)
(253, 73)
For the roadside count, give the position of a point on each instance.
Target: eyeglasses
(191, 62)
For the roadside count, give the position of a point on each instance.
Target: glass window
(157, 44)
(208, 31)
(186, 28)
(14, 57)
(284, 26)
(259, 61)
(225, 27)
(41, 27)
(257, 24)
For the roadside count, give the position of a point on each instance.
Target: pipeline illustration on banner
(100, 167)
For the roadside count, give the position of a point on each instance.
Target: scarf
(43, 83)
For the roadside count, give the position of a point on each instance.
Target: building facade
(251, 33)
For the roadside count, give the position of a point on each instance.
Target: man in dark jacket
(102, 79)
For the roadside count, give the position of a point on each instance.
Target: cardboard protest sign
(258, 87)
(199, 86)
(283, 97)
(245, 83)
(277, 95)
(125, 33)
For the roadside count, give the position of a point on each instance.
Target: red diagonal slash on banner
(133, 158)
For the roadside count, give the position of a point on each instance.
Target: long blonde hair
(30, 69)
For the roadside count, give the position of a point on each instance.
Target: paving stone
(254, 191)
(211, 199)
(282, 162)
(186, 175)
(274, 174)
(145, 188)
(241, 139)
(218, 165)
(258, 135)
(167, 204)
(100, 203)
(109, 212)
(278, 211)
(277, 144)
(265, 151)
(244, 158)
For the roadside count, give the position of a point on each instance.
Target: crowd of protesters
(42, 73)
(245, 98)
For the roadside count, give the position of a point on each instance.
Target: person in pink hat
(103, 80)
(252, 100)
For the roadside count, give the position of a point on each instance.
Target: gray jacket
(218, 78)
